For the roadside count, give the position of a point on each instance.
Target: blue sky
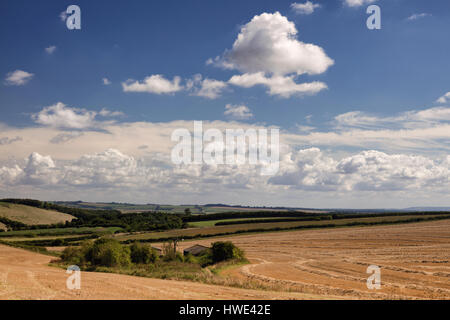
(403, 66)
(387, 76)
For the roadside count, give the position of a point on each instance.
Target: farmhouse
(195, 250)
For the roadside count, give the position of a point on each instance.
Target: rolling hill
(31, 215)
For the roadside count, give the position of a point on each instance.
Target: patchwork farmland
(307, 264)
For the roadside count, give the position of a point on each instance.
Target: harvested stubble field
(212, 230)
(323, 263)
(414, 260)
(31, 215)
(26, 275)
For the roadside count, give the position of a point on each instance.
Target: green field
(211, 223)
(242, 228)
(31, 215)
(58, 232)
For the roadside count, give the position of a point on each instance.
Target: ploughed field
(414, 260)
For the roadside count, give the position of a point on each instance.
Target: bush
(170, 252)
(108, 253)
(222, 251)
(73, 255)
(141, 253)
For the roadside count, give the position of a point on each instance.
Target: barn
(195, 250)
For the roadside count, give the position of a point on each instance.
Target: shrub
(108, 253)
(141, 253)
(225, 251)
(73, 255)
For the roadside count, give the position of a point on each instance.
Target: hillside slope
(26, 275)
(30, 215)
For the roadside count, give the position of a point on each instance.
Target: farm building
(158, 251)
(195, 250)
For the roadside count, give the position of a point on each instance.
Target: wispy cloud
(418, 16)
(207, 88)
(50, 49)
(63, 16)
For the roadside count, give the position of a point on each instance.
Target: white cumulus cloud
(18, 78)
(62, 116)
(358, 3)
(370, 170)
(156, 84)
(268, 43)
(445, 98)
(239, 112)
(305, 8)
(268, 52)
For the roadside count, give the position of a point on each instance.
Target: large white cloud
(39, 170)
(306, 169)
(268, 53)
(154, 84)
(418, 132)
(366, 171)
(268, 43)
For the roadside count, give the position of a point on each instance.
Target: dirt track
(414, 261)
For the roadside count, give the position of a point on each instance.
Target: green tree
(222, 251)
(109, 253)
(141, 253)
